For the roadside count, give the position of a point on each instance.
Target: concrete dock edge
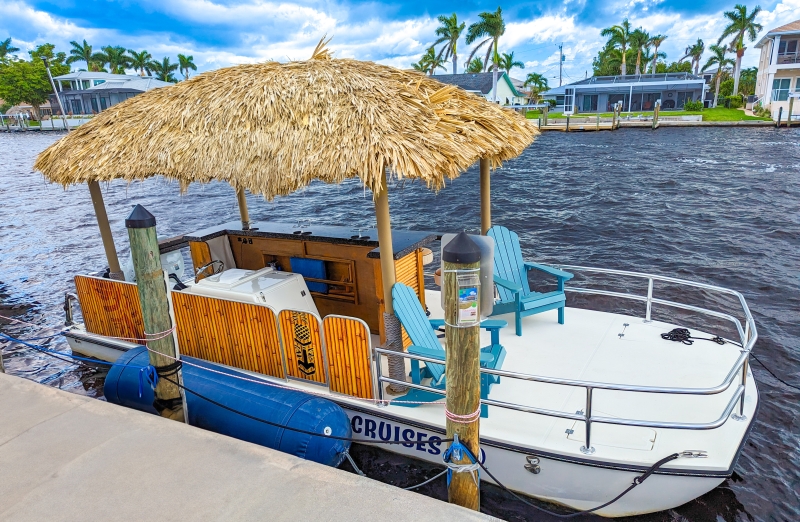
(65, 457)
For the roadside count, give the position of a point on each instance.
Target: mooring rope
(463, 419)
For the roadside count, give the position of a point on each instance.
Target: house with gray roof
(87, 92)
(779, 70)
(481, 84)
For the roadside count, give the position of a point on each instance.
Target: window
(94, 106)
(787, 47)
(569, 97)
(559, 100)
(589, 103)
(797, 84)
(98, 82)
(85, 84)
(76, 106)
(780, 89)
(103, 104)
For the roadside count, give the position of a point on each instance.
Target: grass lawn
(718, 114)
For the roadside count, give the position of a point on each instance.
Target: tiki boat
(577, 400)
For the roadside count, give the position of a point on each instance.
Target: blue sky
(219, 33)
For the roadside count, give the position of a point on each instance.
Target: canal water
(716, 205)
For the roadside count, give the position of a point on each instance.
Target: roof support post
(243, 212)
(114, 271)
(486, 197)
(394, 335)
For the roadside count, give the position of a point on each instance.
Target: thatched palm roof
(272, 128)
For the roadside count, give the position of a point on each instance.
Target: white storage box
(279, 290)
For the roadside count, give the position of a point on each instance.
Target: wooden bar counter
(350, 283)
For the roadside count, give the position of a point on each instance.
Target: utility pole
(560, 61)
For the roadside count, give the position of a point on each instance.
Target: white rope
(463, 419)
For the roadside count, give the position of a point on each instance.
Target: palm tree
(741, 24)
(656, 42)
(639, 39)
(140, 61)
(718, 58)
(695, 51)
(429, 62)
(449, 32)
(492, 27)
(475, 66)
(6, 48)
(115, 57)
(537, 83)
(619, 36)
(185, 63)
(83, 53)
(747, 80)
(164, 69)
(507, 62)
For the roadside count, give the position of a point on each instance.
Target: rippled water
(714, 205)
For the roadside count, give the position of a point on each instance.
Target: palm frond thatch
(272, 128)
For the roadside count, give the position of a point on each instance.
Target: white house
(779, 69)
(481, 84)
(87, 92)
(636, 92)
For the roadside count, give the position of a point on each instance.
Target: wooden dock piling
(462, 332)
(152, 289)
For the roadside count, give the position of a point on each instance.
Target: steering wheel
(216, 266)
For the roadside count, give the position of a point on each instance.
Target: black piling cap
(140, 218)
(461, 249)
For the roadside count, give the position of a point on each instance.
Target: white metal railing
(747, 333)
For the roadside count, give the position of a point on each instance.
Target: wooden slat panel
(241, 335)
(201, 255)
(347, 344)
(110, 307)
(302, 344)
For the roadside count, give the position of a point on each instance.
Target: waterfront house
(481, 84)
(637, 92)
(86, 92)
(779, 69)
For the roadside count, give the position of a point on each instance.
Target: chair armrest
(514, 287)
(566, 276)
(436, 323)
(426, 352)
(493, 324)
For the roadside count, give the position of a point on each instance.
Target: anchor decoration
(303, 348)
(301, 337)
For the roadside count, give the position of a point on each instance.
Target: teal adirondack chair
(422, 332)
(511, 278)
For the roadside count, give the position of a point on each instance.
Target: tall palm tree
(747, 80)
(429, 62)
(491, 27)
(140, 61)
(83, 53)
(619, 36)
(638, 41)
(537, 82)
(164, 69)
(6, 48)
(185, 63)
(718, 58)
(115, 57)
(695, 52)
(656, 42)
(507, 62)
(475, 66)
(740, 24)
(449, 32)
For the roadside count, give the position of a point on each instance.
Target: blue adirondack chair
(511, 278)
(422, 332)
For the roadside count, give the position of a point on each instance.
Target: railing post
(649, 299)
(741, 416)
(377, 359)
(587, 420)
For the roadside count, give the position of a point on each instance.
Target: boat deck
(589, 348)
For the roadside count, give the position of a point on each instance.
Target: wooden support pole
(780, 114)
(789, 116)
(152, 288)
(105, 231)
(243, 212)
(546, 109)
(462, 363)
(655, 115)
(486, 196)
(567, 128)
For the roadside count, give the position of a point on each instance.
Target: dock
(66, 457)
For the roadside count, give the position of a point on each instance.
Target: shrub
(551, 103)
(726, 87)
(733, 102)
(690, 105)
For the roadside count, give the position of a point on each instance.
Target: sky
(220, 33)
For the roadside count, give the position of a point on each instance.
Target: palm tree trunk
(655, 58)
(624, 67)
(736, 72)
(494, 72)
(455, 62)
(639, 63)
(716, 93)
